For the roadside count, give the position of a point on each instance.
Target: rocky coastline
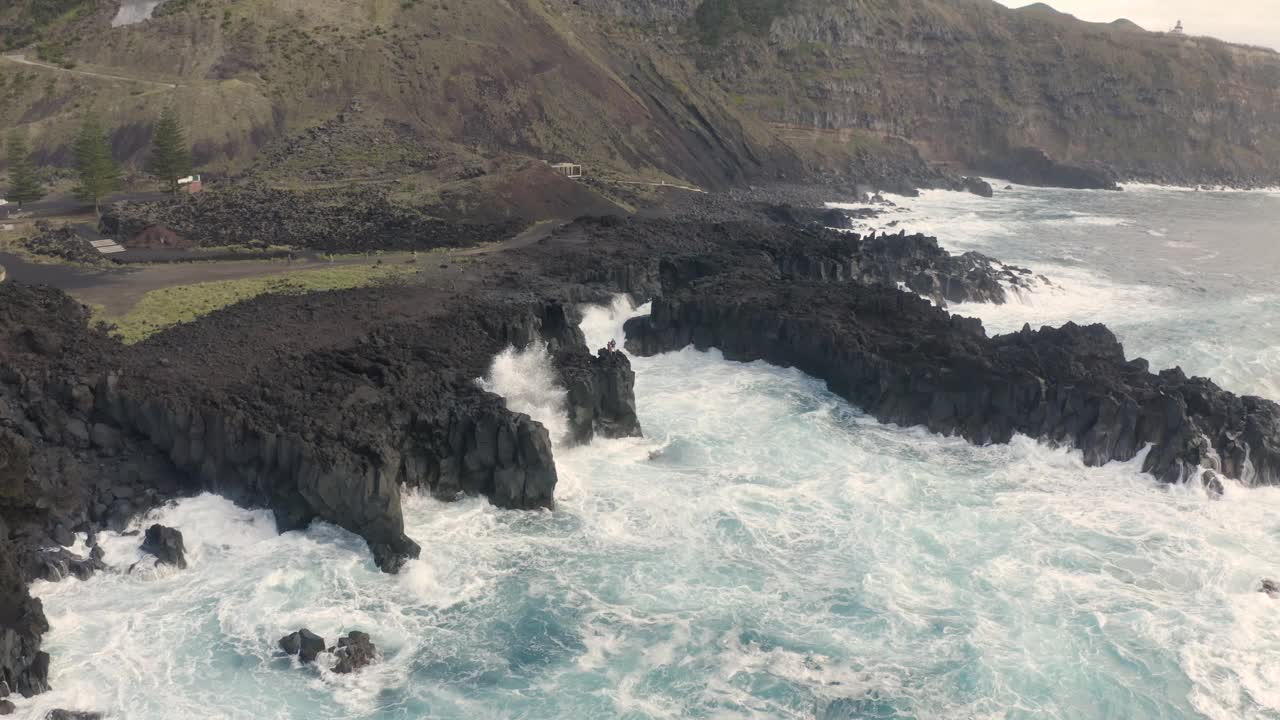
(330, 406)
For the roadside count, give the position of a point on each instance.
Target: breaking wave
(767, 551)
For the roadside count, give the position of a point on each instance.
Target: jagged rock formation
(303, 643)
(354, 652)
(326, 406)
(977, 186)
(628, 255)
(24, 667)
(1031, 166)
(601, 394)
(358, 220)
(907, 362)
(165, 543)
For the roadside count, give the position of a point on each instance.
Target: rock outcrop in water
(165, 543)
(24, 667)
(907, 362)
(303, 643)
(628, 256)
(1033, 166)
(326, 406)
(601, 394)
(355, 651)
(977, 186)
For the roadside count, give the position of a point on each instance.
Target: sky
(1255, 22)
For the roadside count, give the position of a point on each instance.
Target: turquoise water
(765, 552)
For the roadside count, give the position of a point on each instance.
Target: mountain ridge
(452, 97)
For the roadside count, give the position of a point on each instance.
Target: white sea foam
(526, 380)
(765, 552)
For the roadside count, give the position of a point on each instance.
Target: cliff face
(712, 92)
(449, 93)
(964, 80)
(907, 362)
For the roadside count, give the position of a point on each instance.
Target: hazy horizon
(1251, 22)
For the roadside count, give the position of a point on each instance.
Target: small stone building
(569, 170)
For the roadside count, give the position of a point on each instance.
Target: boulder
(72, 715)
(6, 707)
(1212, 484)
(60, 563)
(977, 186)
(303, 643)
(353, 652)
(600, 394)
(166, 544)
(1033, 166)
(1271, 588)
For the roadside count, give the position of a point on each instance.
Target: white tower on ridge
(1177, 29)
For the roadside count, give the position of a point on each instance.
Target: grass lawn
(166, 307)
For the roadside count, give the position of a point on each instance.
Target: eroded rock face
(165, 543)
(24, 667)
(601, 394)
(909, 363)
(246, 215)
(977, 186)
(1032, 166)
(72, 715)
(303, 643)
(354, 652)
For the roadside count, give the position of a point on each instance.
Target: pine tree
(24, 185)
(170, 155)
(100, 175)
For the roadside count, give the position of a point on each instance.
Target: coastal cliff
(328, 406)
(907, 362)
(469, 100)
(973, 83)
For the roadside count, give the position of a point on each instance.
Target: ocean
(768, 551)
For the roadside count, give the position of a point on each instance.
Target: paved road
(22, 60)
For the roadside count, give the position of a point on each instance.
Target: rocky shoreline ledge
(324, 406)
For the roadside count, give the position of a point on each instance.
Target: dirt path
(22, 60)
(118, 289)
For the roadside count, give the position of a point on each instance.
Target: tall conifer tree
(24, 184)
(170, 158)
(100, 175)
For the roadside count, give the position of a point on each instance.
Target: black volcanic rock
(1032, 166)
(303, 643)
(1271, 588)
(907, 362)
(1212, 484)
(72, 715)
(977, 186)
(801, 216)
(354, 652)
(24, 667)
(256, 215)
(166, 544)
(601, 394)
(55, 565)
